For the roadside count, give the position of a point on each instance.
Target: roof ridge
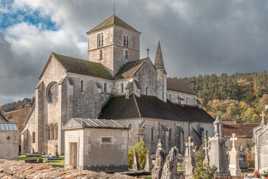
(137, 105)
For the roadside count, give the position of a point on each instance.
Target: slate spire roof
(159, 62)
(112, 21)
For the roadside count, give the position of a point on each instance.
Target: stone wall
(187, 99)
(9, 144)
(95, 155)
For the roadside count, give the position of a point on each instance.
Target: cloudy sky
(197, 36)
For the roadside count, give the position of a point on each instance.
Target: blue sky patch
(10, 16)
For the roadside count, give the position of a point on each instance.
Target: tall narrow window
(126, 54)
(33, 137)
(105, 88)
(82, 86)
(122, 87)
(146, 91)
(99, 40)
(101, 55)
(152, 134)
(125, 41)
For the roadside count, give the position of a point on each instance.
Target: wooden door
(73, 155)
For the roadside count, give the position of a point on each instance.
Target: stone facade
(96, 148)
(74, 88)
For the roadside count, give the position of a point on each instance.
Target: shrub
(141, 152)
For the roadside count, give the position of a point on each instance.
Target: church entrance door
(73, 155)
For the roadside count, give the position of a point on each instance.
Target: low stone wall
(19, 169)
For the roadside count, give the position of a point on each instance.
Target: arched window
(33, 137)
(101, 55)
(81, 85)
(52, 92)
(48, 132)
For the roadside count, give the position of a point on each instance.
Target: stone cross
(233, 140)
(188, 159)
(234, 158)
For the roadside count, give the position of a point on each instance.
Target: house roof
(151, 107)
(79, 123)
(241, 130)
(112, 21)
(180, 85)
(5, 125)
(83, 67)
(3, 119)
(130, 69)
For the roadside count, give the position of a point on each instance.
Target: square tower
(113, 43)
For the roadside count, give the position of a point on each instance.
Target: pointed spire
(159, 62)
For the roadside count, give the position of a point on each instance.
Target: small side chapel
(114, 83)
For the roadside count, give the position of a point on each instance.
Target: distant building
(96, 145)
(114, 83)
(9, 139)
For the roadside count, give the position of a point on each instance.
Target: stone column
(234, 158)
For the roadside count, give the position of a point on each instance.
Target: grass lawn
(58, 162)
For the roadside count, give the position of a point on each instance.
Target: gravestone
(159, 161)
(170, 167)
(148, 164)
(234, 158)
(217, 151)
(135, 162)
(188, 158)
(260, 134)
(206, 150)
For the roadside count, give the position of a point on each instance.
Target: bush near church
(141, 152)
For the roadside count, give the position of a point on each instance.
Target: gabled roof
(6, 125)
(180, 85)
(151, 107)
(80, 66)
(130, 69)
(112, 21)
(80, 123)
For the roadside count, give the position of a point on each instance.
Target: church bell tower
(113, 43)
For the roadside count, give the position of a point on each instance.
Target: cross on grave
(233, 139)
(189, 144)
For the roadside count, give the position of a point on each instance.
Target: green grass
(55, 163)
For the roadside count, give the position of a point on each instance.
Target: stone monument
(260, 135)
(170, 167)
(217, 151)
(159, 161)
(206, 150)
(188, 158)
(135, 162)
(148, 164)
(234, 158)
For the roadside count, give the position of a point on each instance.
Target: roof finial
(114, 7)
(148, 52)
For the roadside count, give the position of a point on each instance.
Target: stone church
(113, 83)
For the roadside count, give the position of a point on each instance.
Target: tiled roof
(94, 123)
(180, 85)
(151, 107)
(129, 69)
(83, 67)
(241, 130)
(112, 21)
(5, 125)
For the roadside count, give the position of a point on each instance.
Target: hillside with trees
(240, 97)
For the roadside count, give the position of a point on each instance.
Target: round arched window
(52, 92)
